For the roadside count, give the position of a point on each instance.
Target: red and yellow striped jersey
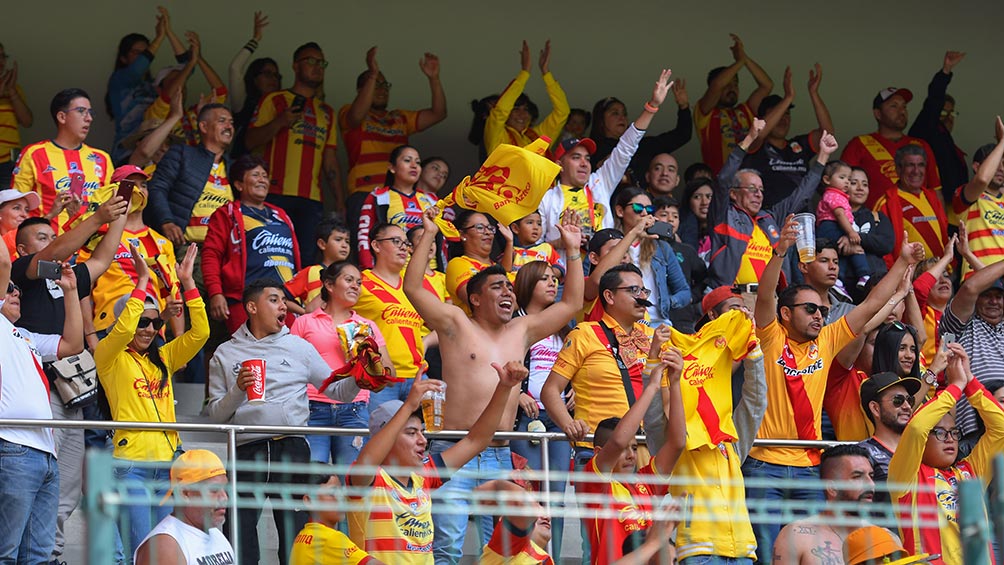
(720, 131)
(397, 527)
(632, 504)
(216, 193)
(306, 285)
(296, 153)
(187, 127)
(796, 384)
(48, 169)
(370, 144)
(10, 134)
(510, 546)
(540, 252)
(401, 326)
(984, 221)
(843, 403)
(874, 154)
(921, 221)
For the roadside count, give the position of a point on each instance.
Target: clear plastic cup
(805, 242)
(434, 409)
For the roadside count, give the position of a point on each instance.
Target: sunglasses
(811, 308)
(899, 399)
(12, 288)
(941, 434)
(639, 208)
(157, 323)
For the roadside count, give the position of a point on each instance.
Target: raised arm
(910, 254)
(926, 124)
(363, 101)
(214, 80)
(662, 86)
(626, 429)
(72, 341)
(676, 420)
(125, 326)
(799, 200)
(104, 253)
(752, 403)
(436, 113)
(964, 302)
(988, 168)
(714, 92)
(615, 256)
(10, 91)
(823, 119)
(172, 85)
(235, 71)
(64, 246)
(775, 114)
(765, 310)
(438, 315)
(146, 148)
(551, 125)
(554, 317)
(481, 433)
(495, 123)
(763, 83)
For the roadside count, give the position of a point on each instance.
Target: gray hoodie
(290, 363)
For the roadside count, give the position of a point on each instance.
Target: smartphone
(947, 339)
(125, 189)
(49, 270)
(662, 229)
(298, 103)
(77, 184)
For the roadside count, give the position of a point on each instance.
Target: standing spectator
(874, 152)
(14, 114)
(319, 541)
(933, 289)
(783, 162)
(332, 238)
(248, 83)
(663, 175)
(822, 275)
(399, 203)
(834, 220)
(290, 363)
(477, 234)
(29, 477)
(510, 119)
(695, 272)
(130, 87)
(720, 122)
(64, 164)
(191, 534)
(371, 131)
(977, 203)
(888, 400)
(928, 463)
(191, 182)
(322, 328)
(247, 240)
(877, 238)
(820, 538)
(612, 121)
(694, 229)
(296, 133)
(435, 173)
(15, 208)
(798, 351)
(136, 374)
(912, 206)
(934, 124)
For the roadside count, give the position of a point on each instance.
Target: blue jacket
(674, 292)
(177, 183)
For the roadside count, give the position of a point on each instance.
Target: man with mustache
(847, 474)
(888, 401)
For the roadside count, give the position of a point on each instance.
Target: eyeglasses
(953, 113)
(639, 208)
(750, 189)
(482, 228)
(635, 291)
(941, 434)
(899, 399)
(396, 242)
(314, 61)
(383, 84)
(811, 308)
(83, 111)
(157, 323)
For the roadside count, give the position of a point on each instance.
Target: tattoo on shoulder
(827, 554)
(804, 530)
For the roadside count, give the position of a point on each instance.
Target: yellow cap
(193, 467)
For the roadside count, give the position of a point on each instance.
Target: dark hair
(253, 96)
(694, 184)
(691, 172)
(527, 278)
(477, 283)
(379, 229)
(305, 47)
(786, 298)
(61, 101)
(885, 357)
(330, 273)
(254, 289)
(463, 217)
(395, 154)
(663, 201)
(481, 109)
(715, 72)
(153, 354)
(125, 46)
(580, 112)
(204, 112)
(612, 278)
(824, 243)
(832, 166)
(827, 460)
(604, 430)
(27, 223)
(626, 194)
(241, 165)
(329, 224)
(599, 111)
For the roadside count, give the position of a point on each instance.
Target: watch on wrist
(930, 377)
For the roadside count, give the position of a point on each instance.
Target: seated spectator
(509, 120)
(399, 202)
(247, 240)
(888, 400)
(331, 331)
(435, 173)
(660, 269)
(925, 470)
(191, 533)
(247, 83)
(15, 208)
(135, 371)
(783, 162)
(477, 235)
(977, 202)
(694, 229)
(663, 175)
(290, 363)
(823, 275)
(834, 219)
(697, 171)
(694, 270)
(912, 206)
(874, 227)
(518, 536)
(398, 444)
(721, 123)
(874, 152)
(332, 239)
(612, 121)
(14, 114)
(319, 541)
(527, 232)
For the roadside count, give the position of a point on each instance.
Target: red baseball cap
(887, 93)
(716, 297)
(569, 144)
(125, 171)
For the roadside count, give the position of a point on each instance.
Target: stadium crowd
(633, 292)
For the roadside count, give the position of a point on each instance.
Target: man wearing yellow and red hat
(191, 534)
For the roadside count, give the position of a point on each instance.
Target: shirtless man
(468, 347)
(814, 539)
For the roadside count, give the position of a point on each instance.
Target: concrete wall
(599, 49)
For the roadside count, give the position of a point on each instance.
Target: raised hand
(505, 232)
(571, 235)
(163, 21)
(737, 48)
(67, 280)
(111, 209)
(545, 58)
(429, 216)
(958, 372)
(953, 241)
(789, 90)
(662, 87)
(661, 335)
(828, 144)
(186, 267)
(998, 129)
(194, 44)
(139, 265)
(679, 88)
(173, 307)
(524, 57)
(372, 66)
(260, 23)
(512, 373)
(429, 65)
(414, 400)
(912, 252)
(952, 58)
(673, 360)
(815, 77)
(788, 235)
(177, 109)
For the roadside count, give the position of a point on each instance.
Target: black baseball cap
(601, 237)
(873, 386)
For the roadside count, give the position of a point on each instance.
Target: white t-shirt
(543, 354)
(24, 392)
(197, 546)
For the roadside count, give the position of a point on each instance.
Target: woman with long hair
(248, 85)
(473, 253)
(694, 229)
(897, 350)
(434, 177)
(135, 370)
(659, 265)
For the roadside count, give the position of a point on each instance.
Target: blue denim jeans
(141, 518)
(761, 471)
(559, 455)
(715, 560)
(579, 460)
(450, 505)
(340, 450)
(393, 391)
(29, 491)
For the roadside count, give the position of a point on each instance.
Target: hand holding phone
(49, 270)
(662, 229)
(126, 189)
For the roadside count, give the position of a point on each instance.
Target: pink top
(317, 328)
(833, 199)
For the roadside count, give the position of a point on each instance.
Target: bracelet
(650, 108)
(575, 257)
(781, 255)
(92, 333)
(251, 45)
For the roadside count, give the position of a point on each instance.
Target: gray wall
(599, 49)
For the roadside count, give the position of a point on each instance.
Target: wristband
(575, 257)
(650, 108)
(251, 45)
(781, 255)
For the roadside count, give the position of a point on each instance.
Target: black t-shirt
(781, 169)
(42, 309)
(880, 465)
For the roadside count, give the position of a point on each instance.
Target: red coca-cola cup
(256, 391)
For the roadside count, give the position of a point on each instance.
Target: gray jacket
(290, 363)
